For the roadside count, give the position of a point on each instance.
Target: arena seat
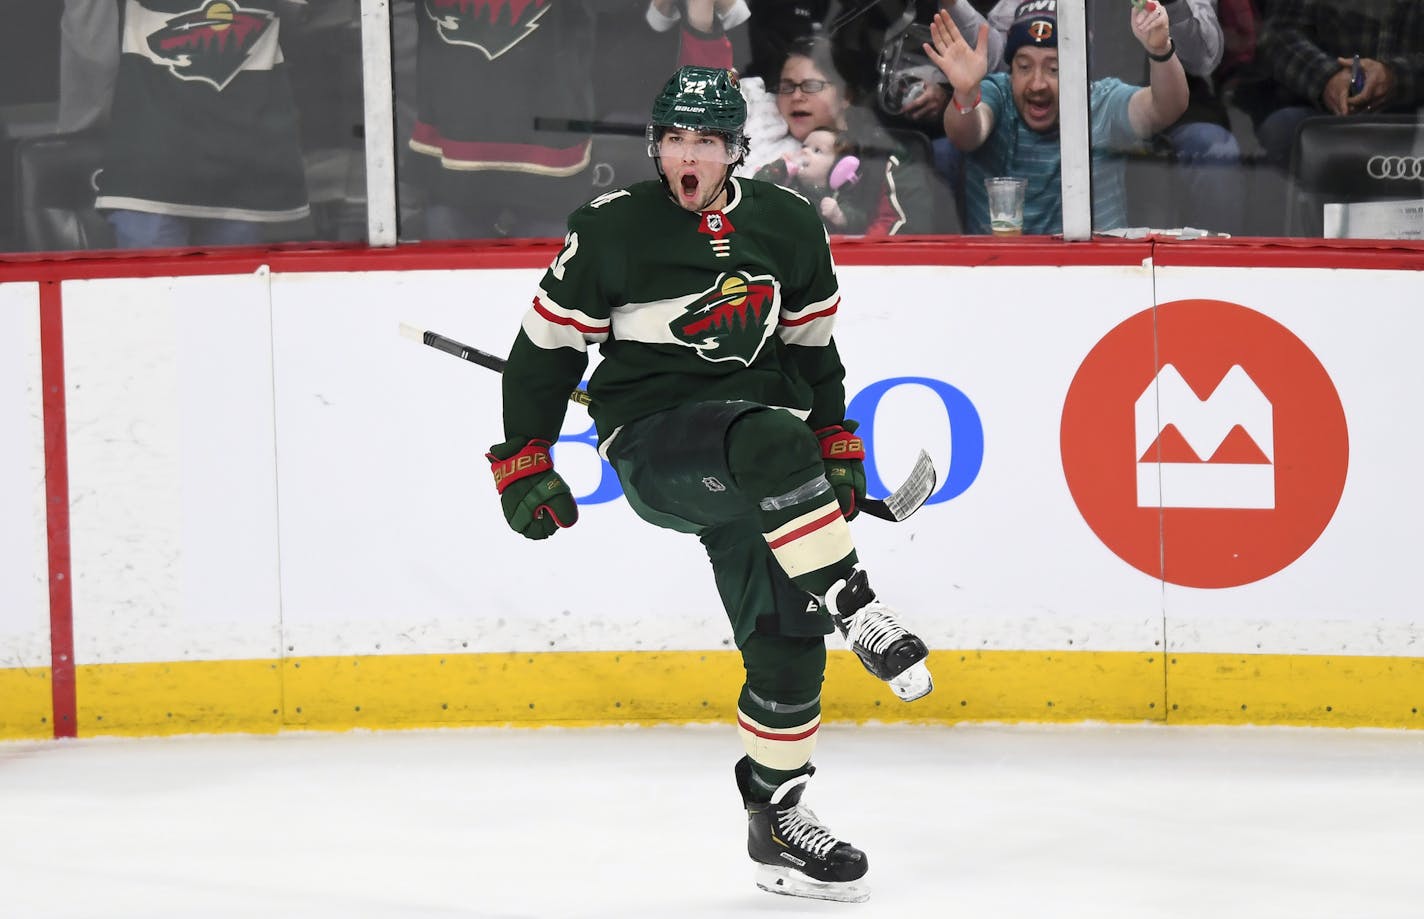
(1351, 160)
(54, 194)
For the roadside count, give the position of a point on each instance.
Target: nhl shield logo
(730, 321)
(716, 225)
(492, 26)
(212, 44)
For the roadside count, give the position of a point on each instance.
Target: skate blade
(913, 683)
(792, 883)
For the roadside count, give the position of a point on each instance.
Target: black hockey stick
(896, 506)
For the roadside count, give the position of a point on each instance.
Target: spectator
(1240, 27)
(810, 94)
(702, 41)
(1007, 124)
(203, 146)
(826, 171)
(769, 141)
(1196, 31)
(969, 19)
(511, 159)
(1213, 192)
(1309, 47)
(879, 43)
(775, 28)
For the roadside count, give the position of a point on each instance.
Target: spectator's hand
(1337, 91)
(1150, 26)
(1379, 83)
(928, 105)
(535, 499)
(831, 212)
(963, 65)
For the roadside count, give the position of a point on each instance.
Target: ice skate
(886, 648)
(795, 854)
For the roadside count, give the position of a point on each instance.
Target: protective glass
(905, 70)
(810, 87)
(708, 147)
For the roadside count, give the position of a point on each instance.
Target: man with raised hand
(1007, 123)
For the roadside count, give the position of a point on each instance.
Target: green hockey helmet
(705, 99)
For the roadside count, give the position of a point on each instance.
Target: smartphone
(1357, 76)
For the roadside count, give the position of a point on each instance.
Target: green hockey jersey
(685, 307)
(204, 122)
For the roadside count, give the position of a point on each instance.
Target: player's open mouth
(689, 186)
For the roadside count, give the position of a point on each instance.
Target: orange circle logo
(1204, 444)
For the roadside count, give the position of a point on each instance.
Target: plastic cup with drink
(1006, 205)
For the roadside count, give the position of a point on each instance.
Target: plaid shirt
(1301, 40)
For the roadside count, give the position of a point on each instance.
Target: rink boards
(1177, 484)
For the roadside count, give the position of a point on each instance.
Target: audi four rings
(1395, 167)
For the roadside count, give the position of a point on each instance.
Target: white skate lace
(800, 827)
(875, 628)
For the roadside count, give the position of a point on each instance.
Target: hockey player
(721, 406)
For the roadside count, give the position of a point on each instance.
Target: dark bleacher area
(29, 86)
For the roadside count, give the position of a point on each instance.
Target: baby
(824, 166)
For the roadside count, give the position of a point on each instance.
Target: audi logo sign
(1395, 167)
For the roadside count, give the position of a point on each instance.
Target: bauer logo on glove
(522, 464)
(843, 446)
(843, 455)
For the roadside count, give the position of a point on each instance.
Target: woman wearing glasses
(894, 185)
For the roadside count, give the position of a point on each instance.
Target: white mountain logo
(1190, 451)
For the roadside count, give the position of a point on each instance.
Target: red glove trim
(531, 460)
(543, 509)
(838, 443)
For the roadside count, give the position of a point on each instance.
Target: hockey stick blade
(910, 496)
(895, 507)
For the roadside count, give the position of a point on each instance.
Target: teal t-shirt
(1013, 149)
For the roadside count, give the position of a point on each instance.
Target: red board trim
(971, 251)
(56, 457)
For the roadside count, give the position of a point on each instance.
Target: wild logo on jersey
(731, 320)
(492, 26)
(212, 44)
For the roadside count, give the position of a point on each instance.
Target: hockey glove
(535, 499)
(844, 457)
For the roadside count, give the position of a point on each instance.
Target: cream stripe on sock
(812, 541)
(778, 748)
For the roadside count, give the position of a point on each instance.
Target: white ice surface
(970, 821)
